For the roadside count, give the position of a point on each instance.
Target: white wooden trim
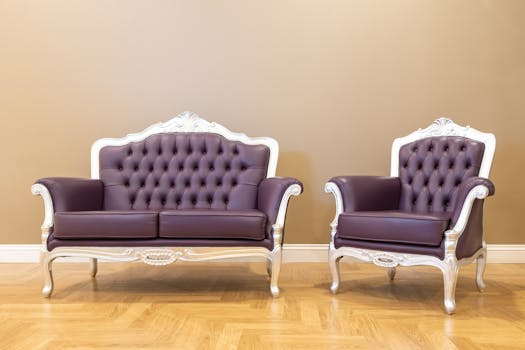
(446, 127)
(292, 253)
(185, 122)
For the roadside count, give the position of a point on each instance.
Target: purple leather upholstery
(199, 188)
(224, 224)
(411, 213)
(105, 224)
(72, 194)
(361, 193)
(182, 171)
(463, 192)
(393, 226)
(271, 191)
(53, 242)
(432, 169)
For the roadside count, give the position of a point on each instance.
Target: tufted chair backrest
(182, 171)
(431, 170)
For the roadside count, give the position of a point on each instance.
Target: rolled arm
(273, 196)
(70, 194)
(367, 193)
(475, 188)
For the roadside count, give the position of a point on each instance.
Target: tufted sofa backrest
(182, 171)
(431, 170)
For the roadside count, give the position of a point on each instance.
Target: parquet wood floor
(228, 306)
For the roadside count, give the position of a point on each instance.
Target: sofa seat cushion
(394, 226)
(207, 223)
(105, 224)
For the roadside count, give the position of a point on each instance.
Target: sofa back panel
(432, 169)
(182, 171)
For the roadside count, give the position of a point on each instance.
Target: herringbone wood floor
(228, 306)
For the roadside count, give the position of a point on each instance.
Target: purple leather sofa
(185, 190)
(429, 212)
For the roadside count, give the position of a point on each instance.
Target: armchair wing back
(432, 169)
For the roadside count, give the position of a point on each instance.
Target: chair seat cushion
(105, 224)
(224, 224)
(394, 226)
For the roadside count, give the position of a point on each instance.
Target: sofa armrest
(68, 194)
(367, 193)
(471, 189)
(272, 199)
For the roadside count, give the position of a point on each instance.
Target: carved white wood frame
(446, 127)
(185, 122)
(449, 265)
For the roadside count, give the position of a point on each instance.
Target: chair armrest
(272, 199)
(366, 193)
(471, 189)
(74, 194)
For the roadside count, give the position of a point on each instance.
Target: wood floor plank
(228, 306)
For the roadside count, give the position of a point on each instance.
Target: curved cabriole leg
(93, 267)
(391, 273)
(450, 276)
(334, 258)
(269, 267)
(481, 261)
(276, 269)
(47, 266)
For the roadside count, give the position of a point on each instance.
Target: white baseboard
(497, 253)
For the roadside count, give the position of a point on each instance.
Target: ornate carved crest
(444, 127)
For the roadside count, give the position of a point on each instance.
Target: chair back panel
(431, 170)
(182, 171)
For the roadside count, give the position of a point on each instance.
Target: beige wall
(333, 81)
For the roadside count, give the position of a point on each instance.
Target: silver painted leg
(481, 261)
(276, 269)
(391, 273)
(269, 267)
(93, 267)
(47, 266)
(450, 276)
(333, 259)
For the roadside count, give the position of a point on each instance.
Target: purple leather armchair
(185, 190)
(429, 212)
